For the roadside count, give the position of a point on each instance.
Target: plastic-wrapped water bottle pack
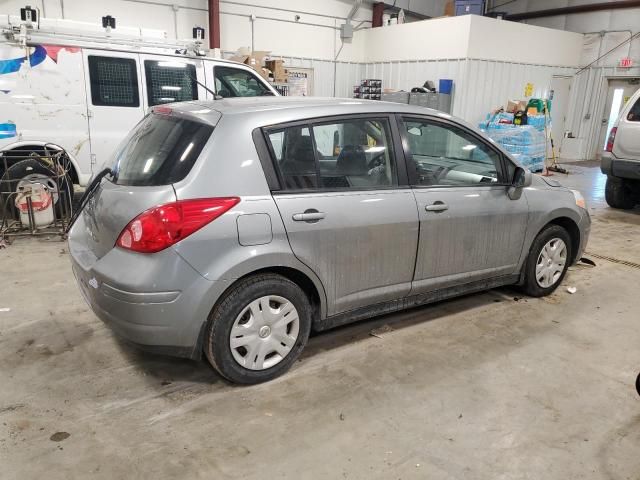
(527, 144)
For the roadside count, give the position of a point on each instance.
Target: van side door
(114, 100)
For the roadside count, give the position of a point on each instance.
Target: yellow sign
(528, 90)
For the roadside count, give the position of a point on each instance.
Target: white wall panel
(512, 42)
(479, 85)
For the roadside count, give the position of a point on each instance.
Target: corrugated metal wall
(588, 98)
(490, 84)
(479, 85)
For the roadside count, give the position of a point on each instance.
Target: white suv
(621, 159)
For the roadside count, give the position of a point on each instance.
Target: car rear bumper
(169, 320)
(621, 168)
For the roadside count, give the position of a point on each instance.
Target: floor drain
(614, 260)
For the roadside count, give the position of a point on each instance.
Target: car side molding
(412, 301)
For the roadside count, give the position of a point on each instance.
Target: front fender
(540, 215)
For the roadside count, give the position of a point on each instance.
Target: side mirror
(521, 179)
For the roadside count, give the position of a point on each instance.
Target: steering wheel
(377, 160)
(432, 177)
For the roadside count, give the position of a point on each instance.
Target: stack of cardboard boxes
(272, 70)
(278, 72)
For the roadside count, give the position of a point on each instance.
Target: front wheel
(258, 330)
(548, 261)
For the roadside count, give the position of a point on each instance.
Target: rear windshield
(161, 150)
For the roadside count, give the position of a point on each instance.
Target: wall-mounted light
(198, 33)
(109, 22)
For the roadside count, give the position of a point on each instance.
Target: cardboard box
(450, 8)
(278, 70)
(515, 106)
(254, 59)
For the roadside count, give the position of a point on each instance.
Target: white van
(84, 92)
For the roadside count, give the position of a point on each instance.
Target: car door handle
(437, 207)
(308, 216)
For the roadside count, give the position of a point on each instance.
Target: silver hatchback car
(236, 227)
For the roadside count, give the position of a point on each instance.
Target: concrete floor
(488, 386)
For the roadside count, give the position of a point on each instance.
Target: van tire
(549, 233)
(30, 166)
(618, 193)
(221, 321)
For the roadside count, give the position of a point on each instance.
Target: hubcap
(264, 333)
(551, 262)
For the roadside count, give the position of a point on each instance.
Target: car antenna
(215, 95)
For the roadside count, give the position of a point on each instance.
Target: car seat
(352, 161)
(299, 165)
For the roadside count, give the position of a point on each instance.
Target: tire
(31, 166)
(239, 312)
(638, 384)
(533, 285)
(618, 193)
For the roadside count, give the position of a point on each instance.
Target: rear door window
(170, 81)
(352, 154)
(161, 150)
(114, 81)
(234, 82)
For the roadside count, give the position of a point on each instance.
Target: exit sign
(626, 62)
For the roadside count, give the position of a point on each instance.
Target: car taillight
(162, 110)
(611, 139)
(162, 226)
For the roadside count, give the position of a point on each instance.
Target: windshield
(161, 150)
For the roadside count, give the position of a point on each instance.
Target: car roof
(305, 107)
(253, 112)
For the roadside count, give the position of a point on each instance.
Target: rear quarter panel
(229, 167)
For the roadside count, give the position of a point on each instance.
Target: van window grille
(114, 81)
(169, 81)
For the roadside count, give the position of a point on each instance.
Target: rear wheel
(619, 194)
(548, 261)
(258, 329)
